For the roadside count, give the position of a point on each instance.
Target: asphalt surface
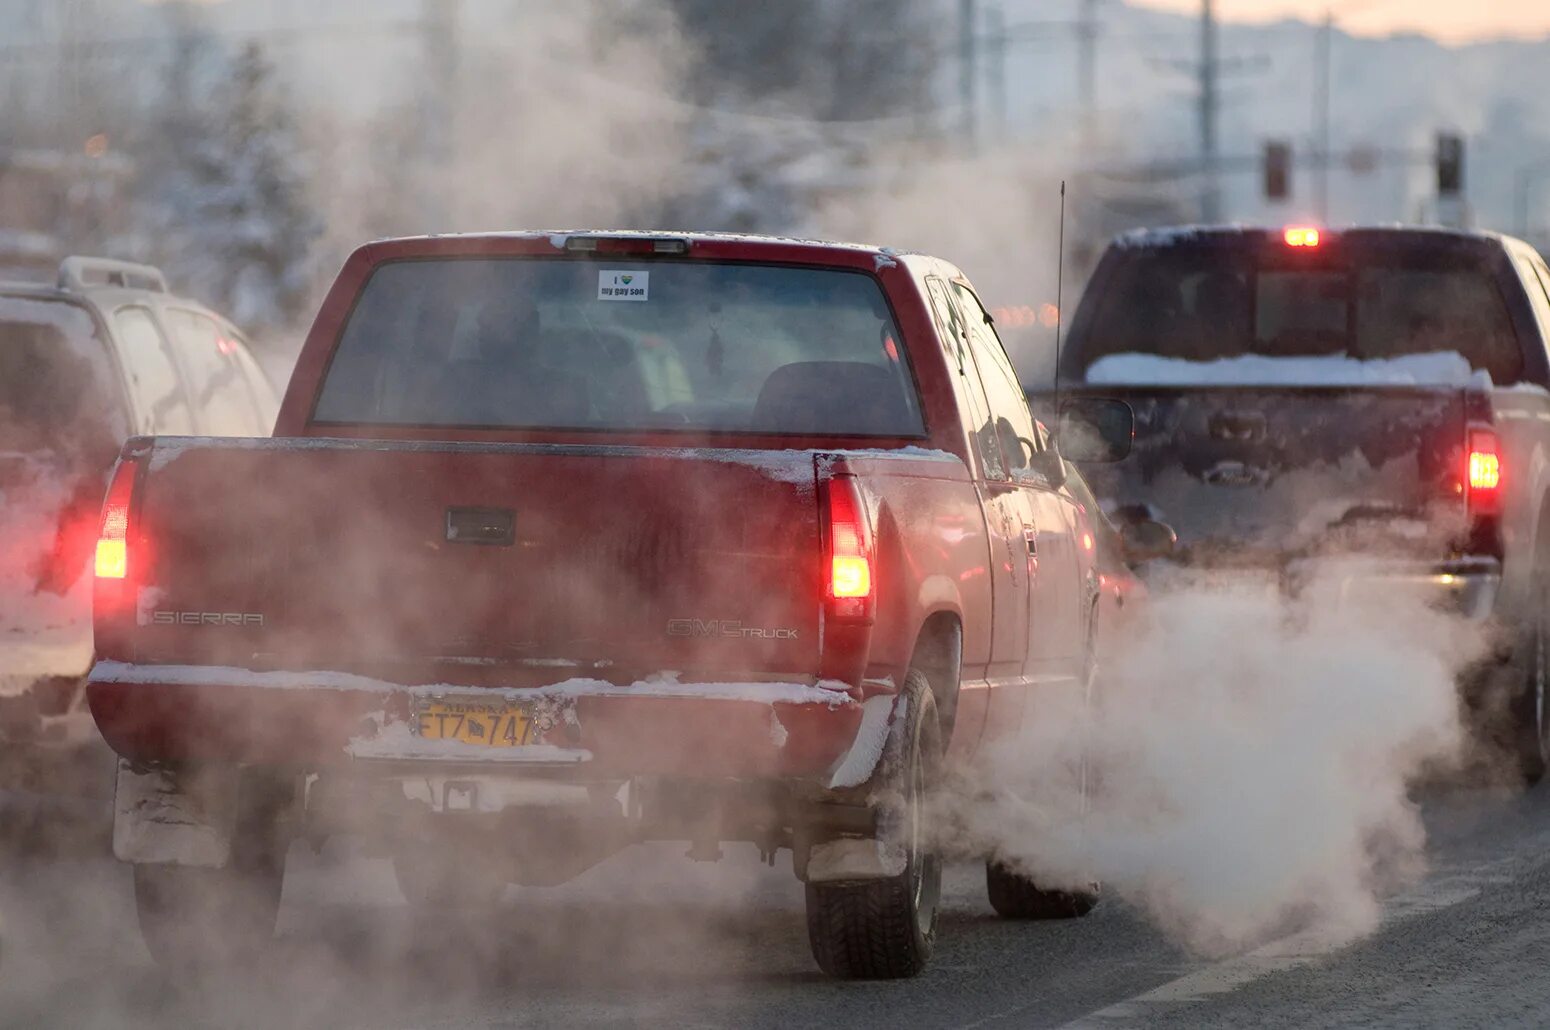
(653, 939)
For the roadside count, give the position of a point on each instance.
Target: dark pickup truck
(567, 542)
(1306, 395)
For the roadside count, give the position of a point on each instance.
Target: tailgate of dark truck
(1254, 473)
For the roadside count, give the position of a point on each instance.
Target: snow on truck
(569, 542)
(1304, 397)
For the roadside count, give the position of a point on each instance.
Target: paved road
(651, 939)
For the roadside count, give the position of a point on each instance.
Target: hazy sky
(1457, 21)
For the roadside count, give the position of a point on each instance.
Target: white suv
(105, 353)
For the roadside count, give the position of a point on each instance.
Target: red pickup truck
(567, 542)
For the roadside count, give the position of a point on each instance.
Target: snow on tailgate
(664, 684)
(1439, 368)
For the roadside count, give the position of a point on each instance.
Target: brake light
(1483, 471)
(849, 589)
(626, 245)
(112, 560)
(1301, 236)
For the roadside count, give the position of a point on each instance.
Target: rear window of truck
(1210, 302)
(622, 344)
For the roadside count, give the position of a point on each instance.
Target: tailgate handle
(1247, 426)
(481, 526)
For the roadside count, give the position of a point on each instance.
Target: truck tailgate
(1249, 472)
(471, 562)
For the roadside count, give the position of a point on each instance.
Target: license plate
(477, 723)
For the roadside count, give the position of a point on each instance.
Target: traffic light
(1450, 164)
(1278, 170)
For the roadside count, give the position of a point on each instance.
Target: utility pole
(1522, 195)
(1087, 70)
(1323, 83)
(995, 45)
(1211, 186)
(968, 25)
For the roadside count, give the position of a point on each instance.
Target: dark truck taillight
(1481, 479)
(1483, 473)
(850, 588)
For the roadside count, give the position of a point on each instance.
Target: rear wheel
(193, 919)
(1015, 896)
(1533, 714)
(884, 929)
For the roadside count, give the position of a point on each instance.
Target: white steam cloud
(1249, 762)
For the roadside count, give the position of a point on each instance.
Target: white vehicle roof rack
(84, 273)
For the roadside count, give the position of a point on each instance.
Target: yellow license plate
(474, 723)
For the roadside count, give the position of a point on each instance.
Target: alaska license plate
(493, 725)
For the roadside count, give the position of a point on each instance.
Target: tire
(434, 882)
(196, 920)
(884, 929)
(1015, 896)
(1532, 710)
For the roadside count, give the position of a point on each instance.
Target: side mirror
(1095, 429)
(1047, 464)
(1147, 539)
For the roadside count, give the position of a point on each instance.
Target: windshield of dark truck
(622, 343)
(1209, 302)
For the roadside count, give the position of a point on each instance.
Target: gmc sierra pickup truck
(566, 542)
(1304, 397)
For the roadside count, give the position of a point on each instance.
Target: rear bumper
(1466, 586)
(602, 732)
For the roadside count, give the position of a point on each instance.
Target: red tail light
(1483, 472)
(849, 585)
(1301, 236)
(112, 560)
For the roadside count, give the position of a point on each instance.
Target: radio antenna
(1060, 300)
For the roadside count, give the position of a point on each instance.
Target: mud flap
(167, 818)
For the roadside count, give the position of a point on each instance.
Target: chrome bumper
(1466, 586)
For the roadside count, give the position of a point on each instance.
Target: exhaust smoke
(1248, 764)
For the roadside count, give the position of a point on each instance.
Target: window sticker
(623, 284)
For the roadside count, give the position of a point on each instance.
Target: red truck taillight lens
(849, 586)
(1483, 471)
(112, 560)
(1301, 236)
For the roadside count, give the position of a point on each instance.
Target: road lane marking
(1447, 886)
(1292, 952)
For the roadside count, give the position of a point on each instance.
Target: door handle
(1032, 537)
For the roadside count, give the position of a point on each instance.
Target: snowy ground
(651, 939)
